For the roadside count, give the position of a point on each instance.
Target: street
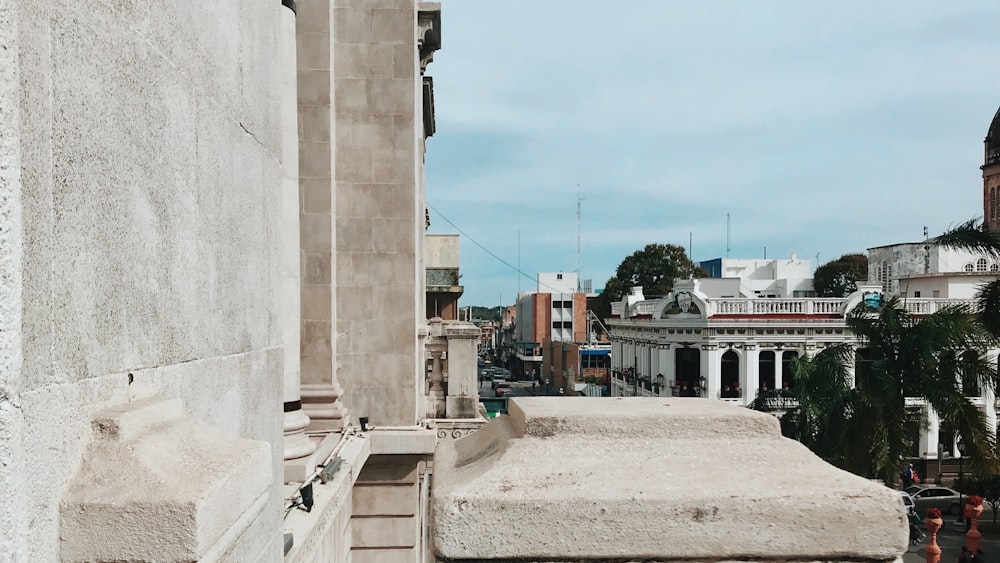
(951, 543)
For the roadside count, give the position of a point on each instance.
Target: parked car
(908, 505)
(503, 389)
(948, 501)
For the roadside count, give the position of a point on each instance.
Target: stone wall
(143, 155)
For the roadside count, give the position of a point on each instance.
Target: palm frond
(971, 236)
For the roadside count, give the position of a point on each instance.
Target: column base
(321, 403)
(295, 443)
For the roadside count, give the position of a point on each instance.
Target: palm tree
(973, 236)
(936, 358)
(866, 428)
(819, 415)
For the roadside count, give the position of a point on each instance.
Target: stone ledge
(155, 485)
(595, 479)
(402, 440)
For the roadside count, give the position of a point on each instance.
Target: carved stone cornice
(428, 31)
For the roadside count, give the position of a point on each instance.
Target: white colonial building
(699, 342)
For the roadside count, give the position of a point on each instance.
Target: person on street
(907, 475)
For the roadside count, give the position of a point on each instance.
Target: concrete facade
(895, 267)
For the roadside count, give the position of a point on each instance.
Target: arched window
(981, 265)
(730, 375)
(787, 376)
(968, 267)
(765, 369)
(994, 268)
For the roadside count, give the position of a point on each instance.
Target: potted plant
(932, 521)
(973, 510)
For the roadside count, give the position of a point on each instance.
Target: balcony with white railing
(814, 306)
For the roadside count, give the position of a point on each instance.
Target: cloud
(821, 128)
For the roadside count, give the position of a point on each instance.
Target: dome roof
(993, 141)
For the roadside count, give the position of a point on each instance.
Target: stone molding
(157, 485)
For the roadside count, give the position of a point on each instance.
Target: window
(937, 293)
(968, 267)
(994, 268)
(916, 294)
(981, 265)
(558, 276)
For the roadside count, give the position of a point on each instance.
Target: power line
(488, 251)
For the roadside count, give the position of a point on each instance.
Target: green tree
(819, 414)
(866, 429)
(838, 278)
(654, 267)
(986, 486)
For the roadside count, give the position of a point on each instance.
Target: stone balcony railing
(791, 306)
(583, 480)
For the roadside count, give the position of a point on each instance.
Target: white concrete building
(790, 277)
(902, 269)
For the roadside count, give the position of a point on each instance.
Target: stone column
(929, 436)
(320, 388)
(751, 380)
(779, 355)
(295, 443)
(710, 370)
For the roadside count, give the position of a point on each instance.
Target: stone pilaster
(320, 388)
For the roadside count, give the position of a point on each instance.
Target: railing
(793, 306)
(766, 306)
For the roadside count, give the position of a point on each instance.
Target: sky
(816, 128)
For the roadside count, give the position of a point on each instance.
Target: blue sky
(820, 127)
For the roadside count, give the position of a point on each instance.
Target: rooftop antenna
(728, 234)
(519, 261)
(925, 232)
(690, 244)
(578, 235)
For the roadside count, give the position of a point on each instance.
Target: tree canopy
(838, 278)
(866, 428)
(654, 267)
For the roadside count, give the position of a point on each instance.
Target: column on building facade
(779, 364)
(711, 367)
(669, 372)
(320, 389)
(750, 369)
(295, 443)
(990, 409)
(929, 435)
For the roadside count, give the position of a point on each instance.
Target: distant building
(922, 269)
(555, 312)
(991, 175)
(755, 277)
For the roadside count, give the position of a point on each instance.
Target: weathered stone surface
(664, 479)
(156, 485)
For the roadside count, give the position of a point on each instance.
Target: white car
(908, 505)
